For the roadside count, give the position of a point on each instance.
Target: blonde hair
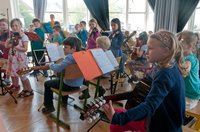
(188, 37)
(169, 40)
(103, 42)
(17, 20)
(93, 20)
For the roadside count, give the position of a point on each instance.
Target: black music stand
(4, 89)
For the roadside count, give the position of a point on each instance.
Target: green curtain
(99, 10)
(186, 8)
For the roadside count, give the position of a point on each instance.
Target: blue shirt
(192, 82)
(82, 35)
(116, 44)
(61, 66)
(164, 105)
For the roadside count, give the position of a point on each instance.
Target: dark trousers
(48, 94)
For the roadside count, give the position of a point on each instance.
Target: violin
(15, 37)
(94, 31)
(14, 40)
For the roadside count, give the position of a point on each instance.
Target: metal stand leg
(5, 90)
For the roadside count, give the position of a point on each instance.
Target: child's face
(114, 26)
(56, 33)
(36, 24)
(92, 25)
(16, 27)
(69, 50)
(82, 25)
(187, 48)
(155, 52)
(77, 27)
(3, 26)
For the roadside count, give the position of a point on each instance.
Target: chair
(71, 72)
(195, 112)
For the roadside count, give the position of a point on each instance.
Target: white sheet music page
(112, 58)
(55, 52)
(102, 60)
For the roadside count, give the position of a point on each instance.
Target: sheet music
(102, 60)
(112, 58)
(55, 52)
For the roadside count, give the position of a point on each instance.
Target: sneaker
(82, 96)
(47, 110)
(102, 91)
(133, 79)
(34, 73)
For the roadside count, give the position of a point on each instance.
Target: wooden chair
(71, 72)
(195, 112)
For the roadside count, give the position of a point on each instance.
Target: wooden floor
(24, 116)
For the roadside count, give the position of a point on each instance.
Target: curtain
(39, 8)
(186, 8)
(152, 3)
(166, 15)
(172, 15)
(99, 10)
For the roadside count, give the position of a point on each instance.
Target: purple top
(91, 41)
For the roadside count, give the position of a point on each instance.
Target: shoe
(45, 73)
(102, 91)
(82, 96)
(34, 73)
(14, 88)
(133, 79)
(47, 110)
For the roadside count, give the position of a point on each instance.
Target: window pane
(197, 20)
(121, 17)
(76, 6)
(136, 22)
(117, 6)
(54, 6)
(137, 5)
(26, 12)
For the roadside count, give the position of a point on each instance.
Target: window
(133, 14)
(56, 8)
(77, 13)
(26, 12)
(196, 18)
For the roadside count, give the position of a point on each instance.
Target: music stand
(39, 60)
(4, 89)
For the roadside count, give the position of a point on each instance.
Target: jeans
(48, 93)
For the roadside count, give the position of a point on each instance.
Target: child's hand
(109, 110)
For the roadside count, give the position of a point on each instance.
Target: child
(192, 83)
(4, 34)
(116, 37)
(71, 45)
(84, 33)
(165, 103)
(103, 42)
(56, 35)
(37, 47)
(52, 20)
(93, 34)
(139, 60)
(17, 60)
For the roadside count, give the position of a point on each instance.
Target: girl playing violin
(4, 33)
(93, 34)
(17, 59)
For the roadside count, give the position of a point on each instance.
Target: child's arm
(24, 48)
(188, 66)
